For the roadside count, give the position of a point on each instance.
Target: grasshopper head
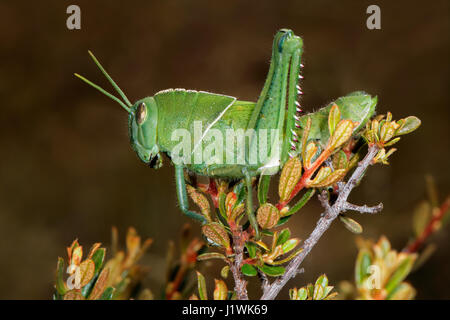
(142, 120)
(142, 124)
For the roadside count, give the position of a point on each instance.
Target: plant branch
(265, 284)
(240, 285)
(432, 226)
(364, 208)
(331, 213)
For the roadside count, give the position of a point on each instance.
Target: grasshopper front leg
(182, 195)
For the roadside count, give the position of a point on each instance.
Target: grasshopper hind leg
(250, 214)
(277, 108)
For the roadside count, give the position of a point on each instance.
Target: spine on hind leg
(270, 117)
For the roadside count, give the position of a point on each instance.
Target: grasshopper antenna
(124, 97)
(106, 93)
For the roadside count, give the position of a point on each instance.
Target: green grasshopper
(153, 120)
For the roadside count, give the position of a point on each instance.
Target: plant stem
(265, 284)
(430, 228)
(331, 213)
(240, 285)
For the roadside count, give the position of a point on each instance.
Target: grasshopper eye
(141, 113)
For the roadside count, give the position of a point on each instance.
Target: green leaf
(73, 295)
(351, 224)
(241, 192)
(310, 289)
(329, 180)
(273, 271)
(200, 200)
(323, 173)
(407, 125)
(343, 132)
(340, 160)
(262, 245)
(387, 131)
(327, 291)
(87, 289)
(251, 249)
(318, 292)
(274, 240)
(284, 235)
(216, 234)
(392, 142)
(121, 287)
(290, 175)
(107, 294)
(322, 281)
(302, 294)
(290, 245)
(384, 245)
(333, 118)
(98, 258)
(400, 274)
(201, 286)
(263, 187)
(310, 154)
(231, 295)
(60, 284)
(404, 291)
(303, 200)
(363, 261)
(57, 296)
(223, 220)
(267, 216)
(87, 268)
(283, 220)
(224, 271)
(222, 209)
(266, 233)
(220, 290)
(298, 294)
(249, 270)
(210, 255)
(305, 135)
(289, 258)
(292, 294)
(100, 285)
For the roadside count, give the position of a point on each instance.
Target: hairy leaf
(201, 283)
(290, 175)
(267, 216)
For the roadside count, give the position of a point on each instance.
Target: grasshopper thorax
(142, 125)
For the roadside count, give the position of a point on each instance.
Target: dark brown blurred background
(67, 170)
